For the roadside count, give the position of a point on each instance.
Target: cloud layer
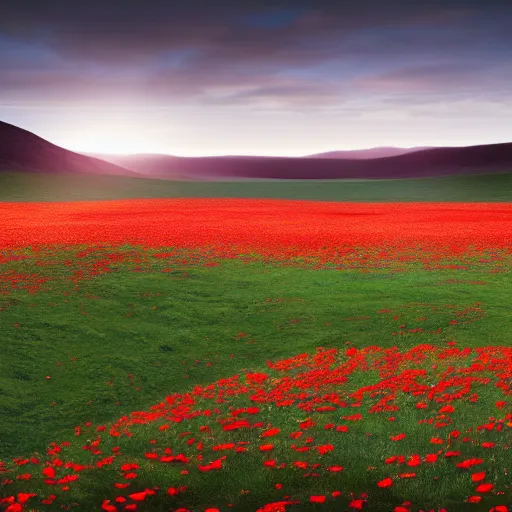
(300, 57)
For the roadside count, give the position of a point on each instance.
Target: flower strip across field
(251, 224)
(106, 302)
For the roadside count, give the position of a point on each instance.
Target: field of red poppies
(251, 224)
(405, 406)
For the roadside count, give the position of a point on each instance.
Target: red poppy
(15, 507)
(138, 496)
(357, 504)
(271, 432)
(216, 464)
(485, 487)
(24, 497)
(387, 482)
(49, 472)
(108, 507)
(477, 477)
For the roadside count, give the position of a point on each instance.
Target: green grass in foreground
(46, 187)
(173, 330)
(124, 340)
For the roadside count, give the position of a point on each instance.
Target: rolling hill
(435, 162)
(23, 151)
(366, 154)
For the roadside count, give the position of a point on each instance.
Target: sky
(256, 77)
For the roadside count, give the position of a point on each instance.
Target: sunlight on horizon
(130, 144)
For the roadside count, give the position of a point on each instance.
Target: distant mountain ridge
(421, 163)
(364, 154)
(23, 151)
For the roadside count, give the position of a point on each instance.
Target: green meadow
(44, 187)
(93, 349)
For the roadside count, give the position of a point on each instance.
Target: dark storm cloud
(104, 30)
(228, 52)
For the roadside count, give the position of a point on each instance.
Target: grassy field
(44, 187)
(88, 338)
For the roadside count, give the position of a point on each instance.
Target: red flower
(129, 467)
(271, 432)
(326, 448)
(24, 497)
(226, 446)
(49, 472)
(49, 500)
(15, 507)
(466, 464)
(317, 499)
(138, 496)
(216, 464)
(108, 507)
(477, 477)
(387, 482)
(485, 487)
(415, 460)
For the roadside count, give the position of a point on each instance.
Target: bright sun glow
(101, 142)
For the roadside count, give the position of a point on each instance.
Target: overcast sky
(197, 77)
